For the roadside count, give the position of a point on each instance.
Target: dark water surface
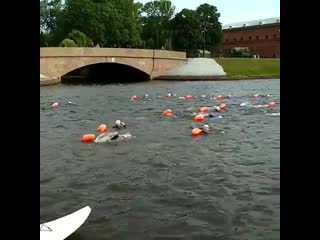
(163, 184)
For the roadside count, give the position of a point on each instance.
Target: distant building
(261, 37)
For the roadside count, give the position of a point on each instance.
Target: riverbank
(235, 69)
(250, 68)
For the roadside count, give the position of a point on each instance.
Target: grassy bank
(249, 68)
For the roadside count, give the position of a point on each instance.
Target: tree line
(129, 24)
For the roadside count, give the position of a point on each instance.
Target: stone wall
(261, 40)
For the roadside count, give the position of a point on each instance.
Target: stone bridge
(57, 62)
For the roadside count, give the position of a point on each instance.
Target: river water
(163, 184)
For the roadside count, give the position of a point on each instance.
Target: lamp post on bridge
(204, 41)
(204, 30)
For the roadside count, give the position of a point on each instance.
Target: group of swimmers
(114, 136)
(204, 112)
(210, 112)
(108, 136)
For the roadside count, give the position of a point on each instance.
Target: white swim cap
(205, 128)
(118, 122)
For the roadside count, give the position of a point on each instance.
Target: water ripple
(164, 184)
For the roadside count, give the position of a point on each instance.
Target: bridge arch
(62, 67)
(105, 72)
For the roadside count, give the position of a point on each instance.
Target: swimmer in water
(119, 125)
(124, 137)
(210, 115)
(170, 95)
(261, 95)
(266, 95)
(114, 136)
(107, 137)
(145, 97)
(205, 128)
(217, 109)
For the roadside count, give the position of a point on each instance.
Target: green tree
(194, 30)
(210, 26)
(80, 39)
(50, 12)
(155, 19)
(124, 23)
(107, 22)
(186, 31)
(47, 39)
(67, 43)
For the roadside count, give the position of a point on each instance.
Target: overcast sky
(235, 10)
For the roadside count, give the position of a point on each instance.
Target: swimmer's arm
(115, 137)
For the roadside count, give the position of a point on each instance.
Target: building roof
(259, 22)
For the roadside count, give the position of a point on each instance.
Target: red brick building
(262, 37)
